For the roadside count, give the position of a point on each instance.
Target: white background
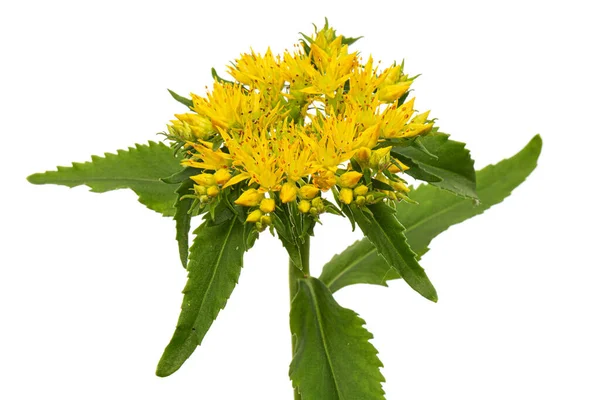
(90, 284)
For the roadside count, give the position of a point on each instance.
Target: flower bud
(393, 168)
(370, 199)
(324, 179)
(360, 201)
(250, 198)
(266, 220)
(212, 191)
(400, 186)
(204, 179)
(363, 155)
(199, 190)
(361, 190)
(349, 179)
(304, 206)
(380, 158)
(222, 176)
(267, 205)
(203, 199)
(308, 191)
(346, 195)
(313, 211)
(254, 216)
(288, 192)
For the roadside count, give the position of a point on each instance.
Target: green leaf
(436, 212)
(359, 263)
(183, 219)
(182, 175)
(139, 168)
(214, 267)
(183, 100)
(444, 163)
(333, 358)
(387, 235)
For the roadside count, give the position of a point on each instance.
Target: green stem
(295, 274)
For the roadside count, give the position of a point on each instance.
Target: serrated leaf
(183, 219)
(387, 235)
(333, 358)
(358, 263)
(182, 175)
(437, 211)
(214, 267)
(445, 163)
(139, 168)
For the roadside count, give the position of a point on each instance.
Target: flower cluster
(291, 127)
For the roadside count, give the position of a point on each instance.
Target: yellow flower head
(299, 124)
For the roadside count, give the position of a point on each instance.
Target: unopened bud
(250, 198)
(222, 176)
(199, 190)
(304, 206)
(288, 192)
(265, 220)
(346, 195)
(204, 179)
(380, 158)
(308, 191)
(204, 199)
(254, 216)
(212, 191)
(360, 201)
(267, 205)
(349, 179)
(324, 179)
(361, 190)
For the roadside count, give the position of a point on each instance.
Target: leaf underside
(215, 263)
(333, 358)
(437, 211)
(183, 219)
(139, 168)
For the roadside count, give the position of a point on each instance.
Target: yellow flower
(253, 153)
(206, 158)
(250, 198)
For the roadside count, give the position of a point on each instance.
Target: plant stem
(295, 274)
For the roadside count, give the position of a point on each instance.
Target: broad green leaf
(437, 211)
(183, 100)
(183, 219)
(445, 163)
(139, 168)
(333, 358)
(358, 263)
(213, 270)
(381, 227)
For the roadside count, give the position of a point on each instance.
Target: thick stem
(296, 274)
